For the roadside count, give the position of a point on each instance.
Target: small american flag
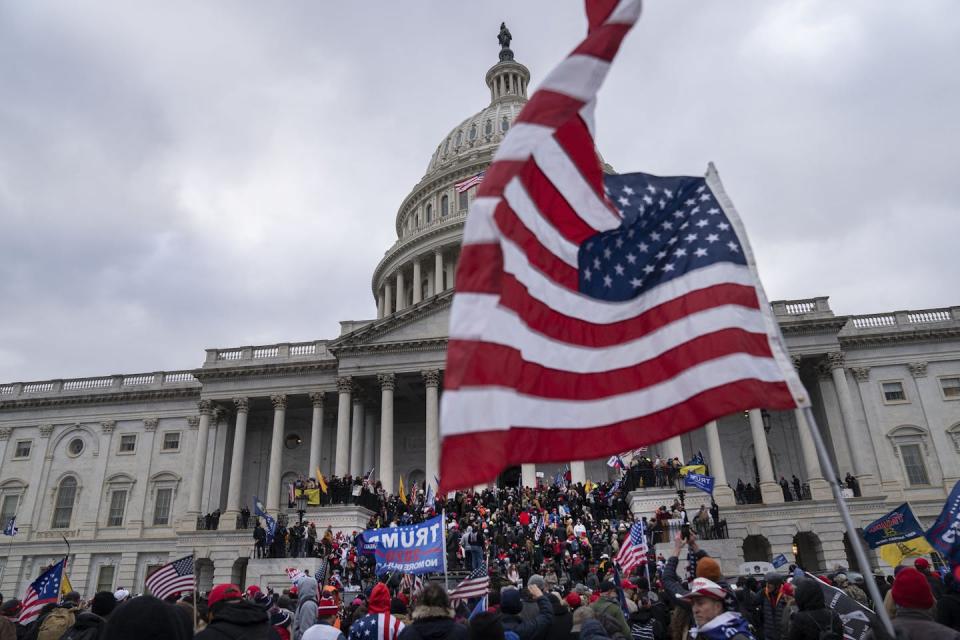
(476, 585)
(587, 323)
(172, 578)
(411, 584)
(633, 550)
(469, 182)
(44, 590)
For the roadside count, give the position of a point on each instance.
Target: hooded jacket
(240, 620)
(433, 623)
(812, 617)
(530, 629)
(87, 627)
(306, 614)
(379, 603)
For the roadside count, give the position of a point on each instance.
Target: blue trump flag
(899, 525)
(271, 524)
(697, 459)
(944, 535)
(699, 481)
(414, 549)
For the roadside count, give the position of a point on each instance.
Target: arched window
(504, 124)
(488, 127)
(473, 132)
(63, 507)
(459, 139)
(444, 206)
(429, 209)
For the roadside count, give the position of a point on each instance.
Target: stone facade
(122, 466)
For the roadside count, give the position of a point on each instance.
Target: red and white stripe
(471, 588)
(32, 606)
(465, 185)
(388, 627)
(537, 371)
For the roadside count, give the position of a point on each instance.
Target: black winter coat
(562, 622)
(240, 620)
(813, 616)
(527, 629)
(88, 626)
(948, 610)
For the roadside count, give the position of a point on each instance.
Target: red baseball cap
(223, 593)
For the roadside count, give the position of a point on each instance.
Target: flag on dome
(469, 182)
(595, 315)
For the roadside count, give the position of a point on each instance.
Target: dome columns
(416, 280)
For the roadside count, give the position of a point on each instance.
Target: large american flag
(633, 549)
(172, 578)
(42, 591)
(579, 330)
(476, 585)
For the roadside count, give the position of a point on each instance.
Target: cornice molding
(264, 370)
(929, 334)
(359, 341)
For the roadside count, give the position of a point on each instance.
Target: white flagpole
(852, 535)
(443, 528)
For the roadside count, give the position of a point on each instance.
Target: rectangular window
(105, 577)
(950, 387)
(161, 508)
(463, 200)
(893, 392)
(8, 508)
(23, 449)
(171, 441)
(913, 464)
(118, 502)
(128, 443)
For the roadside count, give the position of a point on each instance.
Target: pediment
(427, 321)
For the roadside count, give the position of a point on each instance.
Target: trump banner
(414, 549)
(699, 481)
(944, 535)
(899, 525)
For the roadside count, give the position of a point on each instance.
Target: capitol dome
(429, 222)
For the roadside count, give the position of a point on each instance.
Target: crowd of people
(659, 602)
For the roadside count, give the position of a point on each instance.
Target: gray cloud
(178, 176)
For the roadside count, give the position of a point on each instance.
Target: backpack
(56, 623)
(610, 624)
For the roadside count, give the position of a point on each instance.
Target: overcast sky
(180, 175)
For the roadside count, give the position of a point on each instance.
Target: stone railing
(105, 384)
(906, 318)
(281, 351)
(806, 307)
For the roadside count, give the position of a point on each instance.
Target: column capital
(358, 396)
(193, 422)
(218, 413)
(5, 433)
(205, 407)
(242, 404)
(796, 360)
(317, 398)
(107, 426)
(388, 381)
(917, 369)
(46, 430)
(862, 374)
(279, 401)
(431, 377)
(835, 360)
(345, 384)
(150, 424)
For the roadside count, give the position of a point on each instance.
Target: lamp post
(301, 505)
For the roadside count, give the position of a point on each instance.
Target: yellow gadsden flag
(402, 493)
(893, 554)
(693, 468)
(65, 586)
(321, 481)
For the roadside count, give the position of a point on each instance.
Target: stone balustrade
(906, 319)
(281, 351)
(103, 384)
(806, 307)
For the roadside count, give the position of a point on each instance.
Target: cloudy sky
(176, 176)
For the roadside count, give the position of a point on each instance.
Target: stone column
(858, 442)
(379, 305)
(673, 448)
(387, 299)
(431, 378)
(416, 282)
(369, 440)
(578, 472)
(356, 436)
(722, 494)
(276, 453)
(819, 489)
(431, 283)
(234, 488)
(528, 475)
(387, 383)
(199, 460)
(769, 489)
(438, 272)
(316, 432)
(344, 389)
(401, 298)
(451, 267)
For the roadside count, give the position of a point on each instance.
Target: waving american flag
(594, 315)
(633, 549)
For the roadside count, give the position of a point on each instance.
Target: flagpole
(852, 535)
(196, 587)
(443, 523)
